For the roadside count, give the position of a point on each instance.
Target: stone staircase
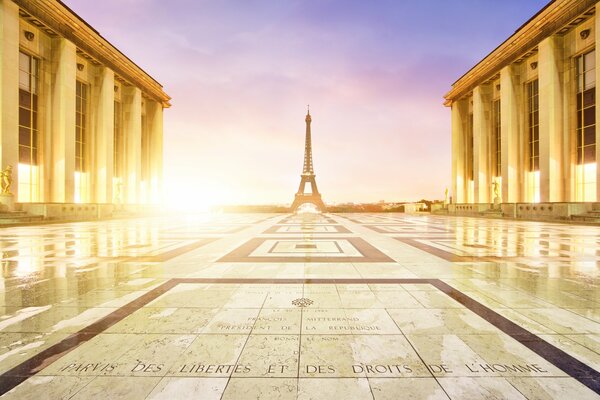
(492, 212)
(18, 218)
(121, 213)
(592, 216)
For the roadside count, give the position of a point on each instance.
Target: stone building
(524, 129)
(80, 122)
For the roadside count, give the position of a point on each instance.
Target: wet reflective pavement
(373, 306)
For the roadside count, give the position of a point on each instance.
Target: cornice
(62, 20)
(547, 22)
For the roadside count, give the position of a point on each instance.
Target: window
(145, 160)
(586, 128)
(81, 142)
(28, 169)
(80, 126)
(469, 160)
(118, 141)
(497, 140)
(118, 153)
(533, 127)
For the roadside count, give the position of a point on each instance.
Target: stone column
(550, 70)
(154, 115)
(459, 116)
(481, 142)
(104, 135)
(509, 125)
(62, 152)
(132, 130)
(9, 89)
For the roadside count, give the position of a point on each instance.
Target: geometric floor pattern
(275, 306)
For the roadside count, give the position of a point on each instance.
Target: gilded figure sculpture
(496, 189)
(6, 179)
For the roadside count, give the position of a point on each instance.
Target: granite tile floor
(274, 306)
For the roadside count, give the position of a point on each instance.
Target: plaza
(293, 306)
(123, 277)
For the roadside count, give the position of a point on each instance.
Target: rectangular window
(118, 151)
(29, 160)
(469, 160)
(496, 186)
(118, 141)
(144, 148)
(80, 126)
(533, 128)
(533, 125)
(586, 127)
(497, 140)
(145, 158)
(81, 142)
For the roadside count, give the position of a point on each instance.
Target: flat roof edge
(550, 18)
(66, 23)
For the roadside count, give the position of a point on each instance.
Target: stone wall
(558, 211)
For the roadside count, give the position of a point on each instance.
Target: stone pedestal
(497, 201)
(7, 202)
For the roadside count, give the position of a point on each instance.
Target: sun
(200, 197)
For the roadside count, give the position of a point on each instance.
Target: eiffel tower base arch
(307, 198)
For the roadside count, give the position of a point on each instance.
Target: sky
(241, 73)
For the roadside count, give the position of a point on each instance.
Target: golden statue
(117, 194)
(446, 196)
(496, 188)
(6, 180)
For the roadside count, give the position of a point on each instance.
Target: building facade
(524, 118)
(80, 122)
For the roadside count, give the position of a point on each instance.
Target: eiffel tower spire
(308, 162)
(308, 174)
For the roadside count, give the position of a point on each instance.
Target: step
(123, 214)
(586, 218)
(12, 214)
(18, 217)
(492, 211)
(18, 221)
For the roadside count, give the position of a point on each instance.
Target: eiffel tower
(308, 175)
